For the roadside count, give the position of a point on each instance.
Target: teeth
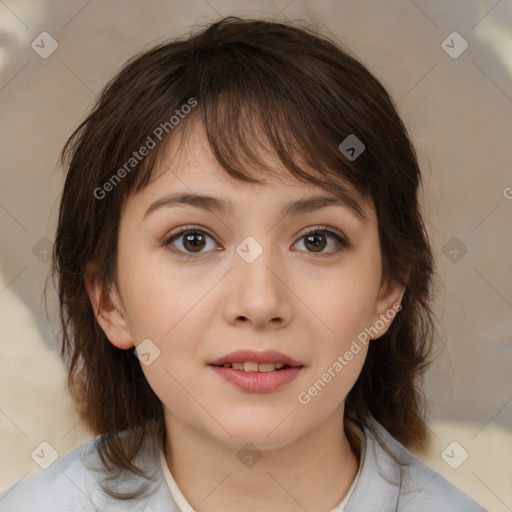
(249, 366)
(266, 367)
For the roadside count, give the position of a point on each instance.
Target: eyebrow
(218, 205)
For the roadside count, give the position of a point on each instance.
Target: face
(197, 285)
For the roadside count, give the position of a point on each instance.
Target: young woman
(245, 283)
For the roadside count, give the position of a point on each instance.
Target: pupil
(191, 245)
(318, 246)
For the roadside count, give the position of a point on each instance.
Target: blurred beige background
(458, 106)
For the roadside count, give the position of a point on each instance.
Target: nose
(258, 293)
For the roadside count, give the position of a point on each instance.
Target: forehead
(187, 172)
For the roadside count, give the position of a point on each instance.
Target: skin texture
(308, 305)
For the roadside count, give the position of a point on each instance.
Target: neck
(313, 472)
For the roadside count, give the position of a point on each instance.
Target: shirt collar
(377, 488)
(185, 506)
(380, 481)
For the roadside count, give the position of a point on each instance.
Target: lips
(264, 358)
(257, 372)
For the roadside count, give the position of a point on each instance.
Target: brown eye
(189, 242)
(316, 240)
(194, 241)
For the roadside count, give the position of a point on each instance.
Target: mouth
(253, 361)
(257, 372)
(251, 366)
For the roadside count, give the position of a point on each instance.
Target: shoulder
(65, 485)
(423, 489)
(75, 482)
(402, 481)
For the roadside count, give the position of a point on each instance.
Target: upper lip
(267, 356)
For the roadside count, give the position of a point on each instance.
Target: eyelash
(343, 244)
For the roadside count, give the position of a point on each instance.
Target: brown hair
(258, 84)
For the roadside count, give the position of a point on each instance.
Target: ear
(108, 310)
(387, 306)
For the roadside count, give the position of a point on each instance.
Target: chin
(267, 429)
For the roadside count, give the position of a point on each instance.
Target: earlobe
(108, 310)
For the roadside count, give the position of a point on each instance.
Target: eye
(316, 240)
(190, 241)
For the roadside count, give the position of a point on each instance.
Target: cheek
(345, 302)
(346, 305)
(164, 304)
(160, 297)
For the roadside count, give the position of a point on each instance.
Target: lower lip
(258, 382)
